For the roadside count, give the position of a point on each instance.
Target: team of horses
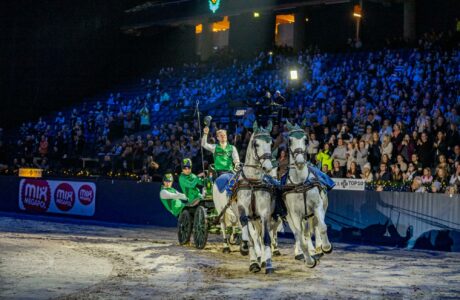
(252, 208)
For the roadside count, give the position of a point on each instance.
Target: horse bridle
(296, 151)
(264, 156)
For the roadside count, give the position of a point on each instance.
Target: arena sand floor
(48, 257)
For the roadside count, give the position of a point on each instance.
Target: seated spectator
(436, 187)
(367, 173)
(387, 146)
(283, 163)
(455, 156)
(313, 146)
(442, 179)
(406, 148)
(43, 148)
(339, 153)
(383, 173)
(417, 186)
(424, 150)
(402, 164)
(385, 159)
(325, 170)
(350, 154)
(374, 150)
(411, 172)
(361, 154)
(455, 178)
(396, 174)
(442, 163)
(353, 171)
(427, 178)
(416, 163)
(452, 189)
(338, 171)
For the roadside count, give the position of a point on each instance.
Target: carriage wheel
(200, 228)
(184, 227)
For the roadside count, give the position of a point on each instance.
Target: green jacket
(188, 184)
(174, 206)
(223, 160)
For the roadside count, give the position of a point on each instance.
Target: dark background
(55, 53)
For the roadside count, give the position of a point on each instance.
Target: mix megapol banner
(62, 197)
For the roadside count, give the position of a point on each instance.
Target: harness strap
(300, 188)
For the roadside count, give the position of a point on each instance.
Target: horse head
(261, 146)
(297, 144)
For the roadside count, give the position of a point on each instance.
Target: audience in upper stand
(386, 116)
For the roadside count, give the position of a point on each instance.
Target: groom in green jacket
(189, 182)
(173, 201)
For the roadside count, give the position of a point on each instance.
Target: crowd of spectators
(390, 117)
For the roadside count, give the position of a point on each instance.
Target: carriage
(196, 218)
(200, 218)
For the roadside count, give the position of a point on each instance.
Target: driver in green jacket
(189, 182)
(226, 156)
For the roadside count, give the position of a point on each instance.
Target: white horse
(227, 218)
(254, 205)
(301, 199)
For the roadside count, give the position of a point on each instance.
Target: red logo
(64, 196)
(36, 195)
(86, 194)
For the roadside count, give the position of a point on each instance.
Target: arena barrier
(411, 220)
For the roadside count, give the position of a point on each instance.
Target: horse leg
(308, 237)
(267, 246)
(296, 226)
(244, 220)
(326, 246)
(318, 240)
(254, 233)
(254, 249)
(223, 228)
(235, 239)
(274, 237)
(298, 254)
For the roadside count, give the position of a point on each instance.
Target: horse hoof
(313, 265)
(244, 249)
(299, 257)
(263, 264)
(236, 239)
(327, 251)
(317, 256)
(226, 250)
(254, 268)
(269, 271)
(276, 253)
